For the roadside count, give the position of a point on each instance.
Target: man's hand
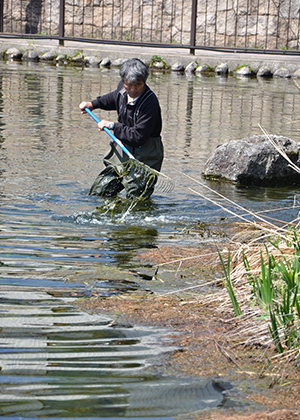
(104, 123)
(84, 105)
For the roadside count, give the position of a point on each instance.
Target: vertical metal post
(193, 26)
(289, 27)
(1, 15)
(61, 21)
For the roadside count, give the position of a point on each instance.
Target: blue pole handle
(119, 143)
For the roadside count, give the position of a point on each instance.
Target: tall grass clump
(261, 276)
(274, 290)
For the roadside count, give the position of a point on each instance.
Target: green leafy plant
(228, 284)
(273, 329)
(127, 36)
(287, 306)
(262, 286)
(157, 59)
(275, 290)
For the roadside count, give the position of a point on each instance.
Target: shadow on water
(58, 244)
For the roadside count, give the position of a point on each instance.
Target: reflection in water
(54, 240)
(2, 139)
(59, 108)
(189, 111)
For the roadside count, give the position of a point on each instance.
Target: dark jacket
(138, 127)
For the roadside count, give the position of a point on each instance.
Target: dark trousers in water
(120, 173)
(110, 182)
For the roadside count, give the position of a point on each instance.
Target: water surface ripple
(58, 361)
(57, 245)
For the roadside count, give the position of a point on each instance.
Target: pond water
(55, 360)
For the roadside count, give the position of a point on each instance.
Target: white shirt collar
(133, 101)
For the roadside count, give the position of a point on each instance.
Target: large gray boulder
(30, 55)
(191, 67)
(282, 72)
(48, 55)
(255, 161)
(244, 71)
(222, 68)
(178, 66)
(14, 53)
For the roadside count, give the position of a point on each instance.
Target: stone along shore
(204, 61)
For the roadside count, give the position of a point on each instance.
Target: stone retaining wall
(271, 24)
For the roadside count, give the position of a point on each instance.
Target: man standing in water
(138, 127)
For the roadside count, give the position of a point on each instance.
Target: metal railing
(261, 25)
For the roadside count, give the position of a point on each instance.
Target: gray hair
(133, 71)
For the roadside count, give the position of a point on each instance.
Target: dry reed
(261, 239)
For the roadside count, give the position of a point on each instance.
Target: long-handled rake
(164, 183)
